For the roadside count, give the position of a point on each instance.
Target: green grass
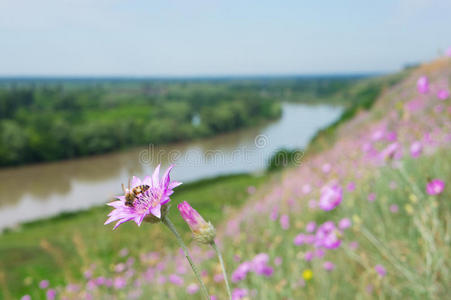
(59, 248)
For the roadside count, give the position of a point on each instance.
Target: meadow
(364, 216)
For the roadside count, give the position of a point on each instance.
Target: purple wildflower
(310, 227)
(176, 279)
(344, 223)
(371, 197)
(44, 284)
(423, 85)
(394, 208)
(415, 149)
(26, 297)
(328, 266)
(380, 270)
(192, 288)
(443, 94)
(285, 222)
(435, 187)
(50, 294)
(331, 197)
(148, 203)
(241, 272)
(238, 294)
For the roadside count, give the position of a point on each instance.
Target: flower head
(443, 94)
(203, 231)
(331, 197)
(151, 195)
(380, 270)
(435, 187)
(423, 85)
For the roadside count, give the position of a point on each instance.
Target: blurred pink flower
(308, 256)
(238, 294)
(423, 85)
(371, 197)
(344, 223)
(44, 284)
(192, 288)
(443, 94)
(435, 187)
(351, 186)
(415, 149)
(326, 168)
(380, 270)
(310, 227)
(278, 261)
(448, 52)
(176, 279)
(285, 222)
(119, 283)
(394, 208)
(26, 297)
(328, 266)
(331, 197)
(241, 272)
(50, 294)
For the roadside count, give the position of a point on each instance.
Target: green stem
(171, 227)
(224, 273)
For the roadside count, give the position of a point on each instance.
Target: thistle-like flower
(143, 199)
(203, 232)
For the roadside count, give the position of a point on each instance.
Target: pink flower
(389, 151)
(308, 256)
(147, 203)
(331, 197)
(380, 270)
(260, 265)
(192, 288)
(285, 222)
(416, 149)
(44, 284)
(176, 279)
(278, 261)
(344, 223)
(328, 266)
(119, 283)
(394, 208)
(448, 52)
(353, 245)
(423, 85)
(50, 294)
(238, 294)
(26, 297)
(310, 227)
(326, 168)
(435, 187)
(443, 94)
(371, 197)
(241, 272)
(351, 186)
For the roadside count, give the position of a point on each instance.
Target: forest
(53, 119)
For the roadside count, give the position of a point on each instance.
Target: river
(42, 190)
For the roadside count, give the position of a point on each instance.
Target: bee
(131, 194)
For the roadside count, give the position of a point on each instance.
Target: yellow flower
(409, 209)
(307, 274)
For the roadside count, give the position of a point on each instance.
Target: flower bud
(203, 232)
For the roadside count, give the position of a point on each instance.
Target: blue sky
(212, 37)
